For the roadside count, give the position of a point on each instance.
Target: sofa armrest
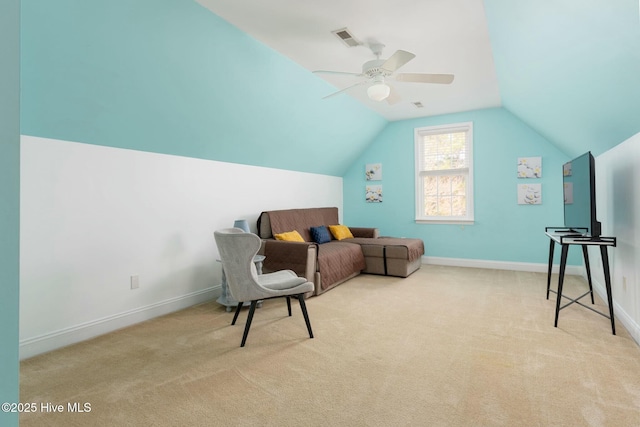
(297, 256)
(364, 232)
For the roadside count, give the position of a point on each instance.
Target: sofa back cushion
(301, 220)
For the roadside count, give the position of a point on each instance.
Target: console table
(566, 238)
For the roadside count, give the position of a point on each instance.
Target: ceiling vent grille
(418, 104)
(346, 37)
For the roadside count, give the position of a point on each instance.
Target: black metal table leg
(585, 254)
(551, 247)
(563, 265)
(607, 281)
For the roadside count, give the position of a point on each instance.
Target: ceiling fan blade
(344, 90)
(397, 60)
(393, 97)
(424, 78)
(336, 72)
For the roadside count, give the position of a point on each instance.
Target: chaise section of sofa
(391, 256)
(326, 265)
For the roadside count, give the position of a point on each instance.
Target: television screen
(579, 189)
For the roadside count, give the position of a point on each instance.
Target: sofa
(336, 261)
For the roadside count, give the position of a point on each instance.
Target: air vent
(418, 104)
(346, 37)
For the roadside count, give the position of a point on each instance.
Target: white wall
(93, 216)
(618, 208)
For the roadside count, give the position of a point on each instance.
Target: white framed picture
(529, 194)
(373, 194)
(374, 172)
(529, 167)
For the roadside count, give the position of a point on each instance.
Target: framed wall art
(529, 194)
(374, 172)
(529, 167)
(373, 194)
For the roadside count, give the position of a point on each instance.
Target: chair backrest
(237, 250)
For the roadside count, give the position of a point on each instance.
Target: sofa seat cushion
(391, 256)
(374, 259)
(337, 260)
(404, 248)
(395, 247)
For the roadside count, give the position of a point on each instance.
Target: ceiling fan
(378, 72)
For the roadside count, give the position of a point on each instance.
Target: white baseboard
(54, 340)
(501, 265)
(618, 311)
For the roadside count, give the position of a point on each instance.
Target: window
(444, 173)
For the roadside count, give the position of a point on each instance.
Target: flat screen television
(579, 189)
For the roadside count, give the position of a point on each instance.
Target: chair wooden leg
(235, 316)
(252, 309)
(303, 306)
(289, 305)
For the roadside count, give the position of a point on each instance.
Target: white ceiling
(447, 36)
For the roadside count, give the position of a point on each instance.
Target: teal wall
(503, 230)
(569, 68)
(169, 76)
(10, 204)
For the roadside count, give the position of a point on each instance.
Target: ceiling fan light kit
(378, 91)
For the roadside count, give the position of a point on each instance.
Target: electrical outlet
(624, 283)
(135, 282)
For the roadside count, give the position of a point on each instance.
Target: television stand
(565, 238)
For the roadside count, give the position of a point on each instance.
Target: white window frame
(419, 133)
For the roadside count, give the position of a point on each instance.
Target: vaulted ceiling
(570, 69)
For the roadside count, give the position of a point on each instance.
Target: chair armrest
(297, 256)
(364, 232)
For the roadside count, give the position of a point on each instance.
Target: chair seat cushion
(281, 280)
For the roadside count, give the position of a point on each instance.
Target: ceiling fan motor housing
(372, 69)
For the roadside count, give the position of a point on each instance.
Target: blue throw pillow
(320, 234)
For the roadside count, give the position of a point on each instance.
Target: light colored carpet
(445, 347)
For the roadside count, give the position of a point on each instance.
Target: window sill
(445, 221)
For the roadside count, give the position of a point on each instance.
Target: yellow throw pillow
(340, 232)
(291, 236)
